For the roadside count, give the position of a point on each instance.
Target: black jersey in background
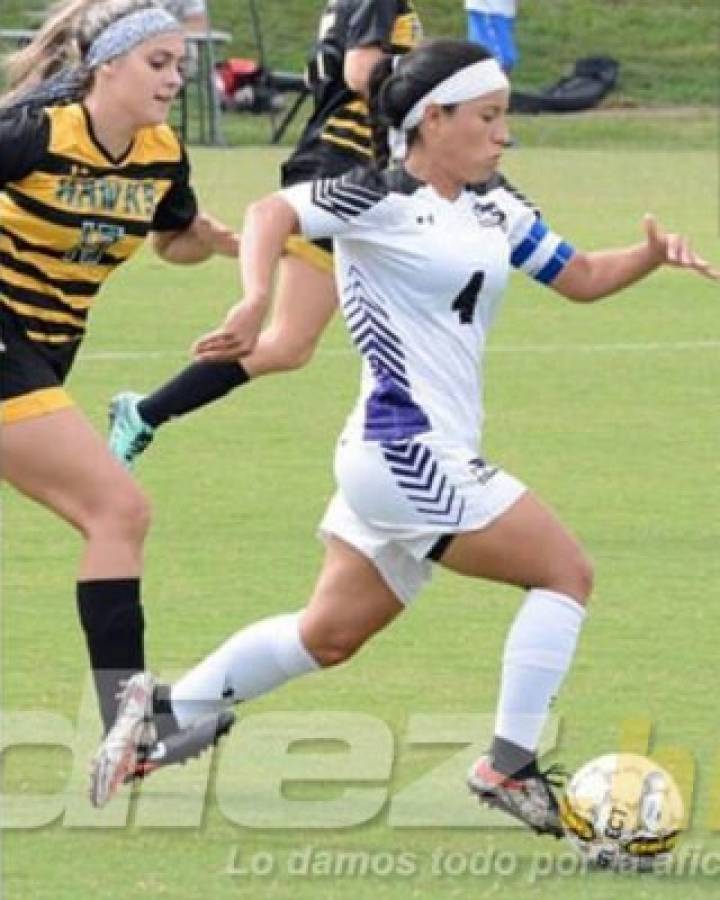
(337, 135)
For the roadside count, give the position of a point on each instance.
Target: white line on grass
(670, 346)
(606, 348)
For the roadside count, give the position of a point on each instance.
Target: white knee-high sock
(538, 652)
(250, 663)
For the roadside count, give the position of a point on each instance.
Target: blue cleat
(129, 434)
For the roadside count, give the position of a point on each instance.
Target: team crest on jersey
(489, 215)
(480, 470)
(96, 238)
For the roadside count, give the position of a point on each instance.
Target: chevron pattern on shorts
(417, 472)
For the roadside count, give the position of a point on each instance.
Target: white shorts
(395, 502)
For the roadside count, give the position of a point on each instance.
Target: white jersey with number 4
(420, 279)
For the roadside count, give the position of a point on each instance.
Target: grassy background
(667, 48)
(667, 51)
(607, 412)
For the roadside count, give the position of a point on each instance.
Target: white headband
(126, 33)
(466, 84)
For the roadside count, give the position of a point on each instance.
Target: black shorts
(31, 375)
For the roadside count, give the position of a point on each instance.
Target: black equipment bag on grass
(590, 80)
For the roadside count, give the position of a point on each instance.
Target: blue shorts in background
(497, 33)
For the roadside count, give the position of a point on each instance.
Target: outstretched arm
(268, 224)
(594, 275)
(205, 237)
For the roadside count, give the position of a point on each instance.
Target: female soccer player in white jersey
(352, 36)
(422, 262)
(88, 169)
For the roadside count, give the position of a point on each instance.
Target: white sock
(252, 662)
(538, 652)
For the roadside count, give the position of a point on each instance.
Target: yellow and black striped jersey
(70, 213)
(337, 135)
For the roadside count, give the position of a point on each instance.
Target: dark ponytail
(379, 127)
(397, 83)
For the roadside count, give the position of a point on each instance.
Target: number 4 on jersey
(466, 301)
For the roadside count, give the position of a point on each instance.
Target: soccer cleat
(133, 728)
(529, 798)
(129, 434)
(180, 746)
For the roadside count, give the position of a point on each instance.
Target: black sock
(512, 759)
(112, 619)
(197, 385)
(163, 716)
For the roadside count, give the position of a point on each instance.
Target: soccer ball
(623, 812)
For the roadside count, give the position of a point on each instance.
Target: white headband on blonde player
(123, 35)
(469, 83)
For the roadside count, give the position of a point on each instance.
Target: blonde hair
(60, 46)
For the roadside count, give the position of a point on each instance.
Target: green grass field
(667, 48)
(609, 413)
